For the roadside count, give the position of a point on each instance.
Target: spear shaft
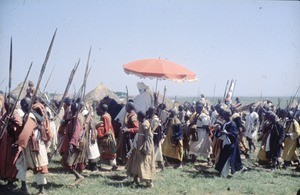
(10, 72)
(48, 79)
(87, 70)
(43, 69)
(68, 86)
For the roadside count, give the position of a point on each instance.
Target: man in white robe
(142, 102)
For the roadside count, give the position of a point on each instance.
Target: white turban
(142, 86)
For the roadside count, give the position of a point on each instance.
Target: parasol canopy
(159, 69)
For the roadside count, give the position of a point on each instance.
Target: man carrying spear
(35, 133)
(8, 169)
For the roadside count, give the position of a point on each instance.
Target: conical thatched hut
(17, 90)
(99, 93)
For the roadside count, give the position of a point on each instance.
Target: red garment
(106, 136)
(106, 127)
(8, 169)
(75, 158)
(132, 123)
(73, 131)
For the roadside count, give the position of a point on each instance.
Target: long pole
(43, 69)
(10, 71)
(2, 130)
(48, 79)
(87, 70)
(214, 94)
(2, 82)
(225, 90)
(68, 86)
(293, 98)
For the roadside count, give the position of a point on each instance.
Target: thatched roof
(99, 93)
(17, 90)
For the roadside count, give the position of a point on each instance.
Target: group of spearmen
(145, 138)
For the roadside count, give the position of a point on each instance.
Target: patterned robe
(169, 147)
(76, 136)
(106, 138)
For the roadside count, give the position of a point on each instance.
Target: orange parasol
(159, 69)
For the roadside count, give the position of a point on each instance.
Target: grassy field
(191, 179)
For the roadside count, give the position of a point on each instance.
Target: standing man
(106, 136)
(33, 138)
(141, 163)
(251, 125)
(292, 132)
(172, 146)
(30, 89)
(229, 157)
(277, 136)
(200, 143)
(130, 128)
(8, 170)
(157, 136)
(74, 148)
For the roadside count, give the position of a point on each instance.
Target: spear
(43, 69)
(87, 70)
(293, 98)
(37, 88)
(10, 71)
(68, 86)
(2, 82)
(48, 79)
(15, 104)
(7, 95)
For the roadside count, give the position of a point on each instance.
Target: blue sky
(255, 42)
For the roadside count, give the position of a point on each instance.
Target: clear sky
(255, 42)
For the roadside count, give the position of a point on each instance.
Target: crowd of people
(144, 137)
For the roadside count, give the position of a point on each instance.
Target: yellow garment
(168, 148)
(290, 143)
(141, 163)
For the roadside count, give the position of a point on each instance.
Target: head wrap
(142, 86)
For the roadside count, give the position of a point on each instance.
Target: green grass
(191, 179)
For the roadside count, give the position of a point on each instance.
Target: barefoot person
(73, 151)
(33, 138)
(106, 136)
(141, 163)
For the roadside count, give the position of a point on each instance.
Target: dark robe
(231, 151)
(277, 136)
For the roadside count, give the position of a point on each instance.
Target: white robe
(203, 146)
(141, 103)
(251, 125)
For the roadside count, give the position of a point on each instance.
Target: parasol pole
(174, 101)
(156, 85)
(165, 90)
(214, 94)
